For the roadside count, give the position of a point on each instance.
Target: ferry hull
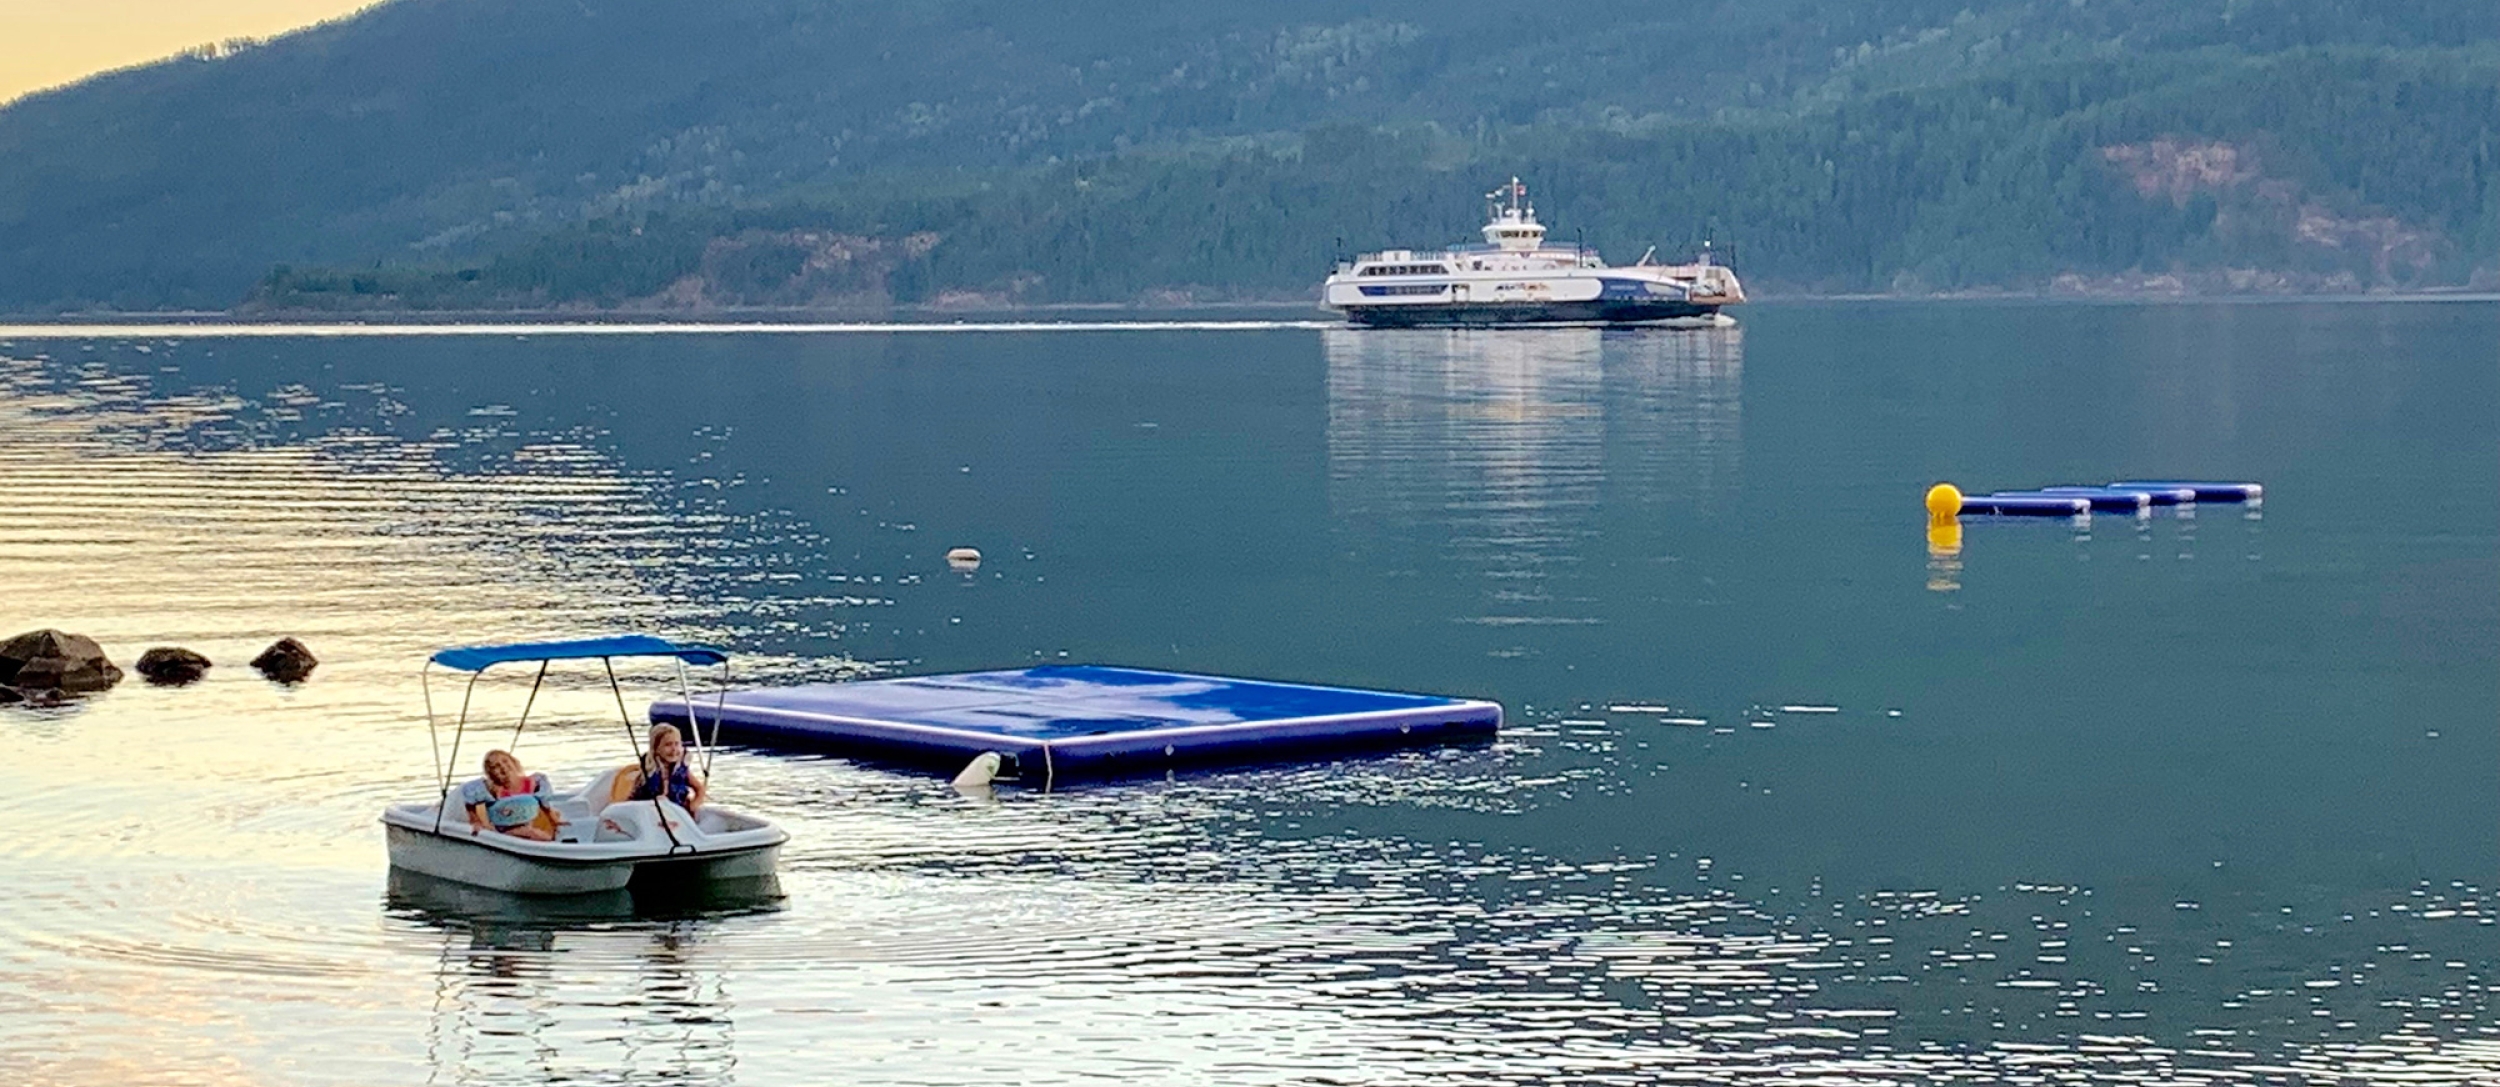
(1495, 315)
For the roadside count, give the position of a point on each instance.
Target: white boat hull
(600, 847)
(453, 856)
(444, 857)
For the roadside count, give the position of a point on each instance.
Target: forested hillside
(650, 153)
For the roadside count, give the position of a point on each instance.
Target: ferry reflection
(1543, 416)
(1675, 400)
(1515, 441)
(554, 989)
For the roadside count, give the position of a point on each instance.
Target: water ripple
(196, 890)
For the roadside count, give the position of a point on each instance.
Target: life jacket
(677, 784)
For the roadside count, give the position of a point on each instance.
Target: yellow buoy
(1944, 502)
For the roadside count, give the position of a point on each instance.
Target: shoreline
(1280, 312)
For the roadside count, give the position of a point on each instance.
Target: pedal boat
(600, 847)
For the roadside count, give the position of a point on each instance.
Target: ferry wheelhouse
(1515, 278)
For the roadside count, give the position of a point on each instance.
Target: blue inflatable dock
(2028, 505)
(1057, 722)
(2152, 496)
(2205, 490)
(2126, 496)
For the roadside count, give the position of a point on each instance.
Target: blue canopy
(477, 658)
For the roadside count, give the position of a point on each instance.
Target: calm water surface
(1786, 797)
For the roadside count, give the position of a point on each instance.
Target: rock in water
(40, 696)
(51, 659)
(170, 665)
(287, 661)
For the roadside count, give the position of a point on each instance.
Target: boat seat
(580, 808)
(594, 795)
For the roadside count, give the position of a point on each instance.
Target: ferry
(1515, 278)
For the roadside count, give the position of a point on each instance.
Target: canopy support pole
(641, 768)
(525, 706)
(694, 724)
(720, 710)
(458, 732)
(434, 740)
(694, 721)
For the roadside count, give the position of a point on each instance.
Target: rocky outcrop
(171, 666)
(2241, 207)
(814, 269)
(287, 661)
(56, 660)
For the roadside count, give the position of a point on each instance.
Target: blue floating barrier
(2206, 491)
(2121, 501)
(2027, 505)
(2159, 496)
(1056, 722)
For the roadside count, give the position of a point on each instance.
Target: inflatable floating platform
(2123, 497)
(2017, 504)
(1058, 722)
(2132, 499)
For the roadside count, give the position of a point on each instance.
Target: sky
(45, 43)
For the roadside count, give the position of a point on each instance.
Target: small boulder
(287, 661)
(171, 666)
(54, 660)
(32, 697)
